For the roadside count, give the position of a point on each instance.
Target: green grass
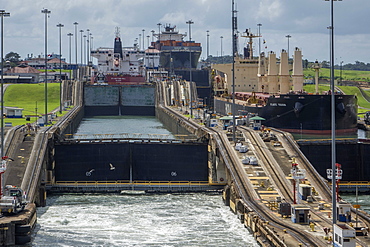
(311, 88)
(355, 91)
(29, 97)
(367, 92)
(347, 75)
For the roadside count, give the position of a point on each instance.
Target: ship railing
(354, 183)
(127, 182)
(129, 137)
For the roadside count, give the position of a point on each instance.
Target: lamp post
(288, 36)
(143, 39)
(152, 35)
(333, 148)
(92, 43)
(159, 35)
(2, 14)
(85, 48)
(259, 38)
(70, 53)
(207, 44)
(60, 66)
(88, 46)
(140, 41)
(341, 68)
(76, 24)
(81, 31)
(222, 59)
(234, 32)
(46, 12)
(190, 67)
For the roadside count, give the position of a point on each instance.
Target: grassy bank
(31, 97)
(347, 75)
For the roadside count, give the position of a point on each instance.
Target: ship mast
(117, 32)
(250, 36)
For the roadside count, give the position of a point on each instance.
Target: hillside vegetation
(31, 97)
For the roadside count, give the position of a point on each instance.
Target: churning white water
(145, 220)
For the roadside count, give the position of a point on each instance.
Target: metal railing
(126, 182)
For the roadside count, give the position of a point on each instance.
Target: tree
(13, 58)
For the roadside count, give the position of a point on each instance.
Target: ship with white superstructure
(119, 66)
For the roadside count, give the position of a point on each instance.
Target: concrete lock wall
(119, 100)
(149, 162)
(171, 122)
(137, 96)
(101, 96)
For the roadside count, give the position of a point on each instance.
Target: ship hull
(180, 59)
(310, 114)
(119, 79)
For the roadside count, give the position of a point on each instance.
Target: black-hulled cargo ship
(265, 88)
(174, 51)
(298, 113)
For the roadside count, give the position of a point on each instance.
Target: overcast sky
(305, 20)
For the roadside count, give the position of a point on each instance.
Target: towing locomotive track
(314, 178)
(242, 184)
(245, 191)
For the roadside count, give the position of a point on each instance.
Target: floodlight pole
(70, 55)
(46, 12)
(333, 149)
(190, 68)
(234, 31)
(259, 38)
(2, 14)
(60, 66)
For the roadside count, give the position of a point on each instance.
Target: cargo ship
(175, 53)
(118, 66)
(265, 88)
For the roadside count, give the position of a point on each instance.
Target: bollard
(330, 239)
(312, 226)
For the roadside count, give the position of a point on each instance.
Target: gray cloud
(306, 21)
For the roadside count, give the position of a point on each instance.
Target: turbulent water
(362, 200)
(146, 220)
